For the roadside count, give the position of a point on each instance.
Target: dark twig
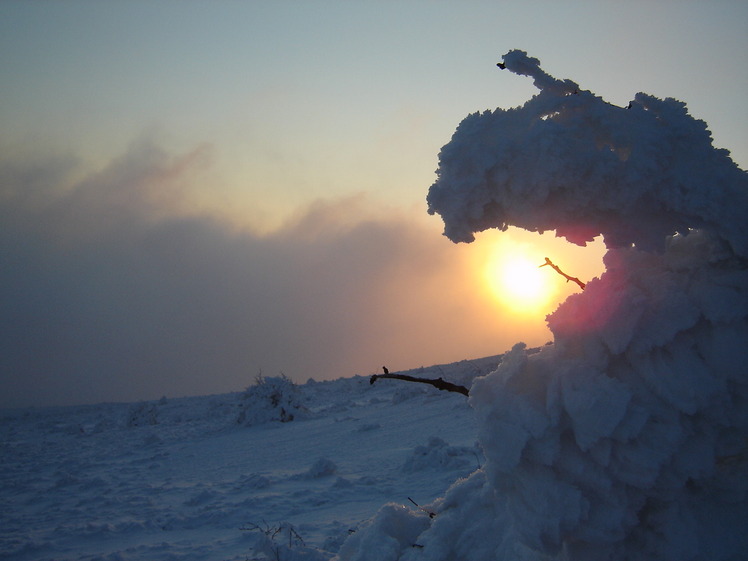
(560, 272)
(431, 514)
(438, 383)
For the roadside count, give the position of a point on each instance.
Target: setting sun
(514, 273)
(518, 283)
(511, 273)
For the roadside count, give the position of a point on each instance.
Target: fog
(115, 288)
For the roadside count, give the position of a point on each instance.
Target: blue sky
(293, 123)
(306, 99)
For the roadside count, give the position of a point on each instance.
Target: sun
(511, 272)
(518, 282)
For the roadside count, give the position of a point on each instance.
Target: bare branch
(438, 383)
(560, 272)
(431, 514)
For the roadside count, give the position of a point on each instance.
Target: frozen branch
(560, 272)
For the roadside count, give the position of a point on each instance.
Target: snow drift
(627, 437)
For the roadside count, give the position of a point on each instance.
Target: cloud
(113, 289)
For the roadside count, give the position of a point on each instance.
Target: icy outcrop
(627, 437)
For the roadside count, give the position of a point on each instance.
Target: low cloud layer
(113, 290)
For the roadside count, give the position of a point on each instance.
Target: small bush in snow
(270, 399)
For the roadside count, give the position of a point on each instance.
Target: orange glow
(516, 282)
(509, 267)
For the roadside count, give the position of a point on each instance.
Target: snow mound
(627, 437)
(394, 529)
(438, 454)
(323, 467)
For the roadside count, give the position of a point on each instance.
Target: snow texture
(569, 161)
(626, 438)
(181, 479)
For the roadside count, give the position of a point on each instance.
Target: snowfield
(180, 478)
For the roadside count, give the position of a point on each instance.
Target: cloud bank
(114, 289)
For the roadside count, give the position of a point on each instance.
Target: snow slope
(177, 479)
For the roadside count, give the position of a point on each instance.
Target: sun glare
(509, 265)
(518, 283)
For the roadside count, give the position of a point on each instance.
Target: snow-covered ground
(180, 478)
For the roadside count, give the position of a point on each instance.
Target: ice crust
(626, 438)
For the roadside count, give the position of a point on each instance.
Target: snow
(180, 478)
(625, 438)
(569, 161)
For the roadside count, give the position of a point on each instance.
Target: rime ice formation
(627, 437)
(571, 162)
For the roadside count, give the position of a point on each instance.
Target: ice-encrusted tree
(627, 437)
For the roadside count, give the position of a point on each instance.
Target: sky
(195, 192)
